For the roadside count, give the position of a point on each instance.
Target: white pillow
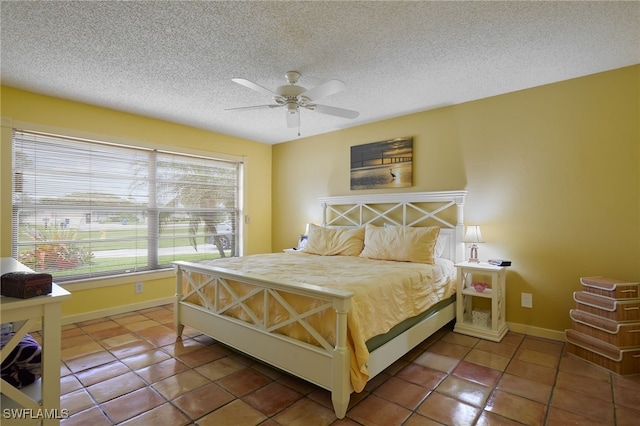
(401, 243)
(441, 244)
(334, 241)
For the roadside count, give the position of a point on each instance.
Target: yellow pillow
(401, 243)
(334, 241)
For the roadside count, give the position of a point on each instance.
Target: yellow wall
(36, 112)
(552, 174)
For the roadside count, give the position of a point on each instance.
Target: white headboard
(443, 208)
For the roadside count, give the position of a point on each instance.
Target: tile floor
(130, 369)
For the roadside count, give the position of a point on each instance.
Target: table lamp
(473, 236)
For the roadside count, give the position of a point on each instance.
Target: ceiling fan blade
(253, 107)
(253, 86)
(324, 90)
(293, 119)
(338, 112)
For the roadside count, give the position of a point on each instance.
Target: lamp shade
(473, 234)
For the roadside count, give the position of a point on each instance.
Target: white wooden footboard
(325, 365)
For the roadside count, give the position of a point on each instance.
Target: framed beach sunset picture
(384, 164)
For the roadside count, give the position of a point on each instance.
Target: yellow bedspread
(385, 293)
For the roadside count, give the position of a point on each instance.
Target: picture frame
(383, 164)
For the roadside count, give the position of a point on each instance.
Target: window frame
(152, 263)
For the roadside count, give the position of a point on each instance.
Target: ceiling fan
(293, 97)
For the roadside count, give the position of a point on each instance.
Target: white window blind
(85, 208)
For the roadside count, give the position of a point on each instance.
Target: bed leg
(341, 388)
(340, 404)
(176, 303)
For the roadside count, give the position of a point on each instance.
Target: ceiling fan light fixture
(292, 76)
(293, 97)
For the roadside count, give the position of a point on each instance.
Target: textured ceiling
(175, 60)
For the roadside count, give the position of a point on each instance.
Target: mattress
(386, 293)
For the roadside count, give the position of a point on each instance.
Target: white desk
(41, 399)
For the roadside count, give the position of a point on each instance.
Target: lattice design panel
(302, 318)
(442, 214)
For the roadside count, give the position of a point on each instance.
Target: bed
(313, 313)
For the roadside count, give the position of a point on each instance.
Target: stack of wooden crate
(606, 324)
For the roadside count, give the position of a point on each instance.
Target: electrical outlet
(139, 287)
(526, 300)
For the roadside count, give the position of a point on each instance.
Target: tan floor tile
(128, 318)
(533, 372)
(132, 348)
(103, 325)
(377, 411)
(81, 350)
(69, 383)
(558, 417)
(501, 348)
(487, 418)
(516, 408)
(539, 358)
(512, 338)
(159, 335)
(271, 398)
(627, 416)
(418, 420)
(540, 344)
(181, 383)
(449, 349)
(89, 361)
(144, 359)
(487, 359)
(203, 400)
(526, 388)
(122, 339)
(76, 401)
(447, 410)
(181, 347)
(586, 386)
(477, 373)
(141, 325)
(306, 412)
(575, 365)
(421, 376)
(437, 361)
(116, 386)
(234, 413)
(460, 339)
(200, 356)
(161, 370)
(164, 415)
(77, 340)
(101, 373)
(243, 382)
(92, 416)
(132, 404)
(403, 393)
(464, 390)
(581, 404)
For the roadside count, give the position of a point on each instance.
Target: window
(85, 208)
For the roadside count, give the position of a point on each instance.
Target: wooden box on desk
(25, 285)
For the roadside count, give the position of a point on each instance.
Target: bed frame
(324, 364)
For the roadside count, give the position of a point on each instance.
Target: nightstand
(481, 313)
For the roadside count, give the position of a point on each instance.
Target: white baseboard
(71, 319)
(537, 331)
